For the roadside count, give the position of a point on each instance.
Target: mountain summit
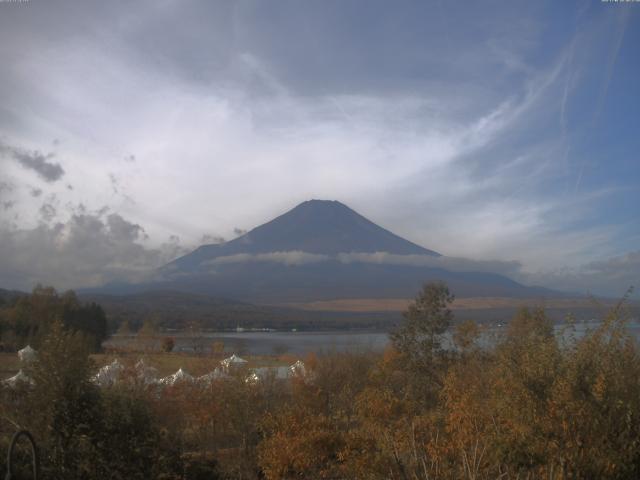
(325, 226)
(316, 226)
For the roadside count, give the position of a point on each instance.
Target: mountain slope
(316, 227)
(322, 250)
(272, 282)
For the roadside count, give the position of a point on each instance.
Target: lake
(297, 343)
(262, 343)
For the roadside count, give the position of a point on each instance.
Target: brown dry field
(471, 303)
(166, 363)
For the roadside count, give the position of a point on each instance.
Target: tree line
(27, 319)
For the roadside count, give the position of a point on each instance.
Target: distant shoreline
(466, 303)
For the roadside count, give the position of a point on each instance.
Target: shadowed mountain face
(317, 251)
(316, 227)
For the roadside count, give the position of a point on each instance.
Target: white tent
(179, 377)
(233, 361)
(27, 354)
(109, 374)
(278, 373)
(207, 378)
(298, 368)
(18, 378)
(147, 374)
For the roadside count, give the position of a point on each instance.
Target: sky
(503, 133)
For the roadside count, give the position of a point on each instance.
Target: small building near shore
(109, 374)
(181, 376)
(18, 379)
(208, 378)
(146, 373)
(233, 362)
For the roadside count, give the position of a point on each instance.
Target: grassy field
(470, 303)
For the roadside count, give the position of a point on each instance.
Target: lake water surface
(300, 343)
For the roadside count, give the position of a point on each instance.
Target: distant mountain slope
(321, 250)
(316, 227)
(271, 282)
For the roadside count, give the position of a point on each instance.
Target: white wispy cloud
(298, 258)
(290, 258)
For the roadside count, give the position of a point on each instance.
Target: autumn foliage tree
(83, 432)
(419, 339)
(29, 318)
(168, 343)
(443, 401)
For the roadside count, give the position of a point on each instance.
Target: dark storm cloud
(34, 160)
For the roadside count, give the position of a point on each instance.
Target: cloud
(47, 212)
(36, 192)
(289, 258)
(6, 187)
(86, 250)
(208, 239)
(114, 183)
(34, 160)
(447, 263)
(122, 229)
(296, 257)
(611, 276)
(622, 20)
(238, 232)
